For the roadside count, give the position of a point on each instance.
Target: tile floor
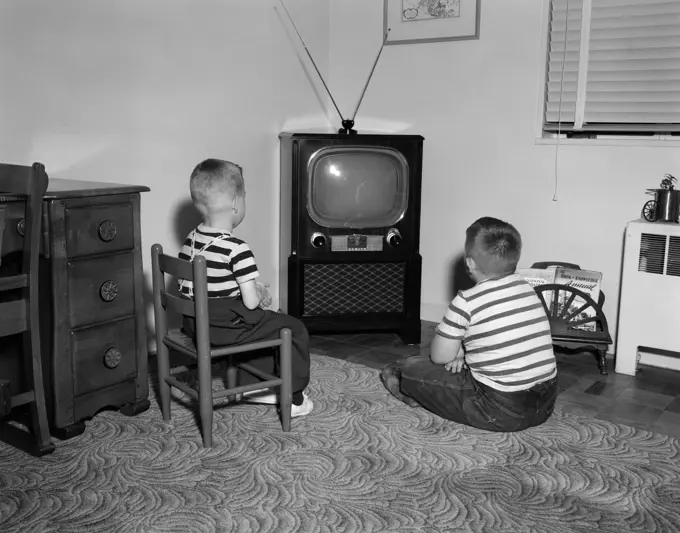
(650, 400)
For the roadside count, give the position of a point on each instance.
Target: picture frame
(429, 21)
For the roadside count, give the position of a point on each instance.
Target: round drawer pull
(107, 230)
(108, 291)
(21, 227)
(112, 357)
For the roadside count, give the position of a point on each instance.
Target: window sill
(656, 143)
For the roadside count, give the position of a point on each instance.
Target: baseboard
(660, 360)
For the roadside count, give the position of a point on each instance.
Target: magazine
(539, 276)
(587, 281)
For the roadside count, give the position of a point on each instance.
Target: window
(613, 68)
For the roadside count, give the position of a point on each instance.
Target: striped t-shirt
(230, 261)
(505, 332)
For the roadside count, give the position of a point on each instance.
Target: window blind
(628, 65)
(563, 62)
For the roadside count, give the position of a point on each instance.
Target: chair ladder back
(24, 315)
(15, 180)
(15, 318)
(174, 266)
(196, 272)
(162, 264)
(177, 305)
(31, 183)
(10, 283)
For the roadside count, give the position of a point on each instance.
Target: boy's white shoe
(266, 396)
(301, 410)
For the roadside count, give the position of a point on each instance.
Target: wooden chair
(201, 351)
(562, 323)
(19, 312)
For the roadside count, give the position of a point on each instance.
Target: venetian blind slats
(633, 70)
(635, 45)
(563, 60)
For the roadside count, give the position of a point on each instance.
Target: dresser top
(64, 188)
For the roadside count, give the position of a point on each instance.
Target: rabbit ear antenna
(371, 74)
(312, 60)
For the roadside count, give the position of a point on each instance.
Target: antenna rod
(311, 59)
(371, 74)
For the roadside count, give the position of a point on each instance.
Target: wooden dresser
(92, 303)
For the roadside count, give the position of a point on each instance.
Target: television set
(350, 230)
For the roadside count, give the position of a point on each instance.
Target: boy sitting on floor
(491, 364)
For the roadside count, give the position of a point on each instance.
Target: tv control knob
(318, 240)
(393, 237)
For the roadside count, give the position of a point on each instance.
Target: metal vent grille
(652, 253)
(353, 288)
(673, 262)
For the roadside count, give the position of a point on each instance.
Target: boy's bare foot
(391, 378)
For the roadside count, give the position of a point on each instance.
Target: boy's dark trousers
(232, 324)
(461, 398)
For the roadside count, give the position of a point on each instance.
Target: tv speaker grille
(353, 288)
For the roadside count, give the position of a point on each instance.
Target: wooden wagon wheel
(564, 317)
(649, 211)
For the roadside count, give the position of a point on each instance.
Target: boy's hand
(263, 294)
(458, 363)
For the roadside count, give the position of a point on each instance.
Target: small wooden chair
(201, 351)
(19, 313)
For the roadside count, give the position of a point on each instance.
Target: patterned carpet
(361, 462)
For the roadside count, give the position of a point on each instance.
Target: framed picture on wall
(428, 21)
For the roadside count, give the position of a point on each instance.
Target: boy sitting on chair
(236, 299)
(491, 363)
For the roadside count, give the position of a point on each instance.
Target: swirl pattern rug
(360, 462)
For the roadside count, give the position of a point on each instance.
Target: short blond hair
(216, 177)
(495, 246)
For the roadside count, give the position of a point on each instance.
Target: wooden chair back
(197, 307)
(19, 295)
(31, 184)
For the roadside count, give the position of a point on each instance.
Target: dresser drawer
(103, 355)
(99, 229)
(101, 288)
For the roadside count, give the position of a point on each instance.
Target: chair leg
(286, 377)
(205, 398)
(44, 444)
(163, 358)
(602, 361)
(40, 426)
(232, 377)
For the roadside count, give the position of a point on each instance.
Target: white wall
(139, 91)
(476, 102)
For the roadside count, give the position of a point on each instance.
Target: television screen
(357, 187)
